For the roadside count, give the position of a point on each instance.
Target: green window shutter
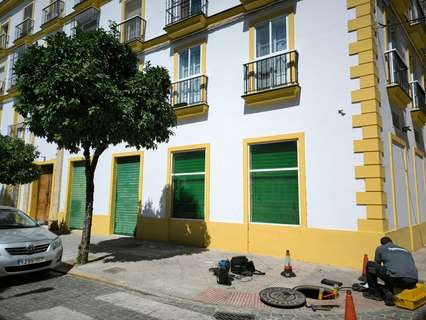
(126, 195)
(274, 186)
(188, 183)
(78, 196)
(189, 162)
(274, 155)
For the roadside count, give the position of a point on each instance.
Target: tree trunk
(90, 167)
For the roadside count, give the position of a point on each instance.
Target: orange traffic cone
(349, 307)
(288, 269)
(363, 277)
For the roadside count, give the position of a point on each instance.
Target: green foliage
(63, 228)
(86, 91)
(16, 160)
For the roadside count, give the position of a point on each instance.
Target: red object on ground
(350, 313)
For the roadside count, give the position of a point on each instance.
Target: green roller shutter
(126, 195)
(274, 186)
(78, 195)
(188, 183)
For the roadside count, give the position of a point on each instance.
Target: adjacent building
(300, 125)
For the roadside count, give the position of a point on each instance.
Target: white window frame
(269, 21)
(188, 49)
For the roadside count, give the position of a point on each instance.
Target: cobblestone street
(57, 296)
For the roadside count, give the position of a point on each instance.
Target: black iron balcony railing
(416, 14)
(132, 29)
(272, 72)
(16, 131)
(52, 11)
(2, 86)
(87, 20)
(397, 70)
(190, 91)
(4, 41)
(419, 98)
(24, 28)
(178, 10)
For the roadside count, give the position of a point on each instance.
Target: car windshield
(13, 218)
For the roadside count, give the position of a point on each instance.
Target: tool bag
(241, 265)
(222, 273)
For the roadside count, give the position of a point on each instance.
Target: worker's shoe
(388, 298)
(372, 295)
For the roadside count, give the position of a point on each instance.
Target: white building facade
(300, 125)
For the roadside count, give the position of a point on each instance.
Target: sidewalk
(181, 272)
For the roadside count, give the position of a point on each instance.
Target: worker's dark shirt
(398, 261)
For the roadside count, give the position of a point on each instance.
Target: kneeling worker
(395, 266)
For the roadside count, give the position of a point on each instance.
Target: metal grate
(233, 316)
(28, 250)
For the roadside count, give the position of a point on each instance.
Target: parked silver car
(25, 246)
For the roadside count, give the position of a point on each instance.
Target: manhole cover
(233, 316)
(282, 297)
(114, 270)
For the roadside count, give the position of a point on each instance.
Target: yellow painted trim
(112, 185)
(291, 31)
(416, 181)
(394, 140)
(300, 138)
(188, 148)
(71, 161)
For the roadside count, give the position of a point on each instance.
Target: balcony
(397, 79)
(255, 4)
(189, 97)
(417, 24)
(23, 29)
(132, 32)
(4, 41)
(52, 12)
(17, 131)
(87, 20)
(184, 17)
(418, 111)
(273, 79)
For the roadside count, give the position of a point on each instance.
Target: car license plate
(25, 262)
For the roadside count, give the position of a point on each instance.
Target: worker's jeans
(375, 270)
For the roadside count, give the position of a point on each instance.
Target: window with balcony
(53, 11)
(191, 89)
(14, 57)
(25, 28)
(417, 22)
(17, 131)
(274, 65)
(133, 26)
(3, 77)
(185, 16)
(88, 20)
(397, 78)
(4, 35)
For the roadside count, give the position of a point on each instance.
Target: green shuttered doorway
(188, 183)
(126, 195)
(274, 185)
(78, 195)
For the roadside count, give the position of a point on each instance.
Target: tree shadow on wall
(184, 237)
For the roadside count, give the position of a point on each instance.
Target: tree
(84, 92)
(16, 158)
